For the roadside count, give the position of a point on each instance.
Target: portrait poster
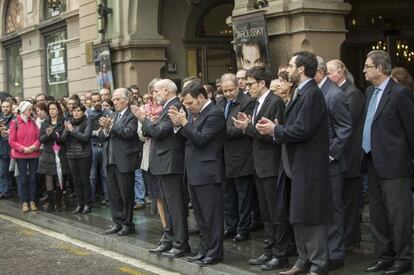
(251, 40)
(103, 66)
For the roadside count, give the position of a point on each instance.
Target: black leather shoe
(240, 238)
(78, 209)
(208, 261)
(114, 229)
(176, 253)
(275, 263)
(86, 209)
(195, 258)
(160, 249)
(228, 235)
(379, 266)
(126, 230)
(261, 260)
(398, 268)
(335, 264)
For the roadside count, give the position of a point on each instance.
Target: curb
(128, 246)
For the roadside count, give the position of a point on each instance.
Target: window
(54, 7)
(14, 16)
(56, 64)
(14, 70)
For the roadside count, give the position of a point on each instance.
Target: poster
(56, 62)
(251, 41)
(103, 66)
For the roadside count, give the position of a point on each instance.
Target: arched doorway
(208, 43)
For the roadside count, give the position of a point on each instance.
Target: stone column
(138, 50)
(314, 25)
(2, 69)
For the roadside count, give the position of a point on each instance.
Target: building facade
(51, 45)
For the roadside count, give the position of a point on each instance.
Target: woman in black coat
(51, 131)
(77, 136)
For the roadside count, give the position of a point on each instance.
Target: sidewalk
(89, 228)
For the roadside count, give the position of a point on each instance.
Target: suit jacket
(204, 147)
(305, 134)
(124, 143)
(392, 131)
(167, 149)
(353, 149)
(238, 157)
(339, 125)
(266, 153)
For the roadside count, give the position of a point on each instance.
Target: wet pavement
(27, 251)
(148, 233)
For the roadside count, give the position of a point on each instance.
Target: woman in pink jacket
(24, 142)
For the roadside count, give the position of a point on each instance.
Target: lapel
(300, 93)
(235, 103)
(203, 113)
(124, 117)
(345, 85)
(165, 109)
(262, 108)
(384, 98)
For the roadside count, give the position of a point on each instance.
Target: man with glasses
(266, 159)
(388, 145)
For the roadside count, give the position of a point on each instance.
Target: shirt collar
(123, 111)
(165, 104)
(322, 82)
(263, 97)
(384, 84)
(342, 83)
(205, 105)
(301, 85)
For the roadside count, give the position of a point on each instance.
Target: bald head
(164, 90)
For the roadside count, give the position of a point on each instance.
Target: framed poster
(251, 40)
(103, 66)
(56, 63)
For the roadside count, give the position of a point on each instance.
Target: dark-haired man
(266, 159)
(305, 192)
(6, 116)
(204, 168)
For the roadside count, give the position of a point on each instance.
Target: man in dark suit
(307, 201)
(167, 162)
(266, 159)
(337, 72)
(205, 131)
(388, 144)
(340, 130)
(123, 160)
(237, 188)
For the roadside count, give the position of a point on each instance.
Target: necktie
(118, 118)
(195, 116)
(256, 106)
(227, 109)
(366, 136)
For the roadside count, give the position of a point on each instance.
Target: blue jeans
(5, 178)
(139, 186)
(26, 181)
(98, 164)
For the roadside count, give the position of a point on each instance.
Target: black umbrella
(4, 95)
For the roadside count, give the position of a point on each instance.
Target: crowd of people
(287, 153)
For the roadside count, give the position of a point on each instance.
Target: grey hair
(125, 93)
(231, 77)
(381, 58)
(168, 84)
(152, 84)
(322, 65)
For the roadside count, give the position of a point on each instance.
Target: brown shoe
(25, 207)
(33, 206)
(293, 271)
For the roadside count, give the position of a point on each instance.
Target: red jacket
(23, 135)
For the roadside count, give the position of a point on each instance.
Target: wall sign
(56, 62)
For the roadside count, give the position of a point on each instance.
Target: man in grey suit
(388, 144)
(167, 162)
(337, 72)
(340, 129)
(123, 160)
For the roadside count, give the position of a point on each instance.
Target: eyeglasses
(249, 84)
(369, 66)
